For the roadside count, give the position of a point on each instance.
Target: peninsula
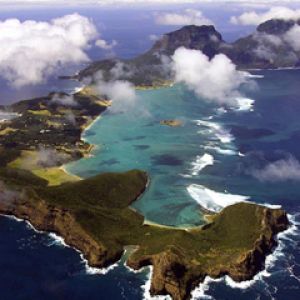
(94, 214)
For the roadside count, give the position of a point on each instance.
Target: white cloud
(281, 170)
(293, 37)
(153, 37)
(121, 92)
(255, 18)
(120, 71)
(255, 3)
(215, 80)
(8, 195)
(32, 50)
(187, 17)
(268, 44)
(105, 45)
(65, 100)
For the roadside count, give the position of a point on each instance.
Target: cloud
(64, 100)
(254, 18)
(105, 45)
(47, 157)
(153, 37)
(70, 117)
(187, 17)
(121, 71)
(287, 169)
(31, 50)
(121, 92)
(269, 44)
(256, 3)
(293, 37)
(7, 195)
(215, 80)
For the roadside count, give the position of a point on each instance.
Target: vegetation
(51, 125)
(95, 216)
(29, 160)
(101, 206)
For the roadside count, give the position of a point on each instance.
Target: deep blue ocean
(208, 161)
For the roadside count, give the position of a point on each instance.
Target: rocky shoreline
(173, 273)
(168, 269)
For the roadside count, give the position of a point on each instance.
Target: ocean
(210, 160)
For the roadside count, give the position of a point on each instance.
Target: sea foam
(201, 162)
(221, 150)
(57, 240)
(244, 104)
(146, 289)
(217, 131)
(283, 238)
(212, 200)
(255, 76)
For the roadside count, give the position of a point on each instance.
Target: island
(94, 215)
(265, 48)
(171, 123)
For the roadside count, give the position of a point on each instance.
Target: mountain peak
(205, 38)
(277, 26)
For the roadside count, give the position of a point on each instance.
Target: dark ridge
(277, 26)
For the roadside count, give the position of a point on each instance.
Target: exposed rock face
(175, 276)
(265, 48)
(49, 218)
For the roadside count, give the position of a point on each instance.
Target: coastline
(64, 169)
(83, 257)
(198, 290)
(85, 140)
(51, 219)
(154, 224)
(61, 241)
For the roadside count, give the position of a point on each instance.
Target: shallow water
(175, 160)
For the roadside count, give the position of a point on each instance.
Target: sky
(84, 31)
(135, 2)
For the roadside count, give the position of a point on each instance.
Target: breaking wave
(285, 239)
(201, 162)
(146, 289)
(216, 130)
(255, 76)
(221, 150)
(244, 104)
(212, 200)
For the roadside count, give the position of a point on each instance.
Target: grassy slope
(101, 205)
(28, 160)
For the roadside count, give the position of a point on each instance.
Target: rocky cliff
(235, 243)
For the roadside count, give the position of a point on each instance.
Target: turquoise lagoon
(182, 177)
(133, 138)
